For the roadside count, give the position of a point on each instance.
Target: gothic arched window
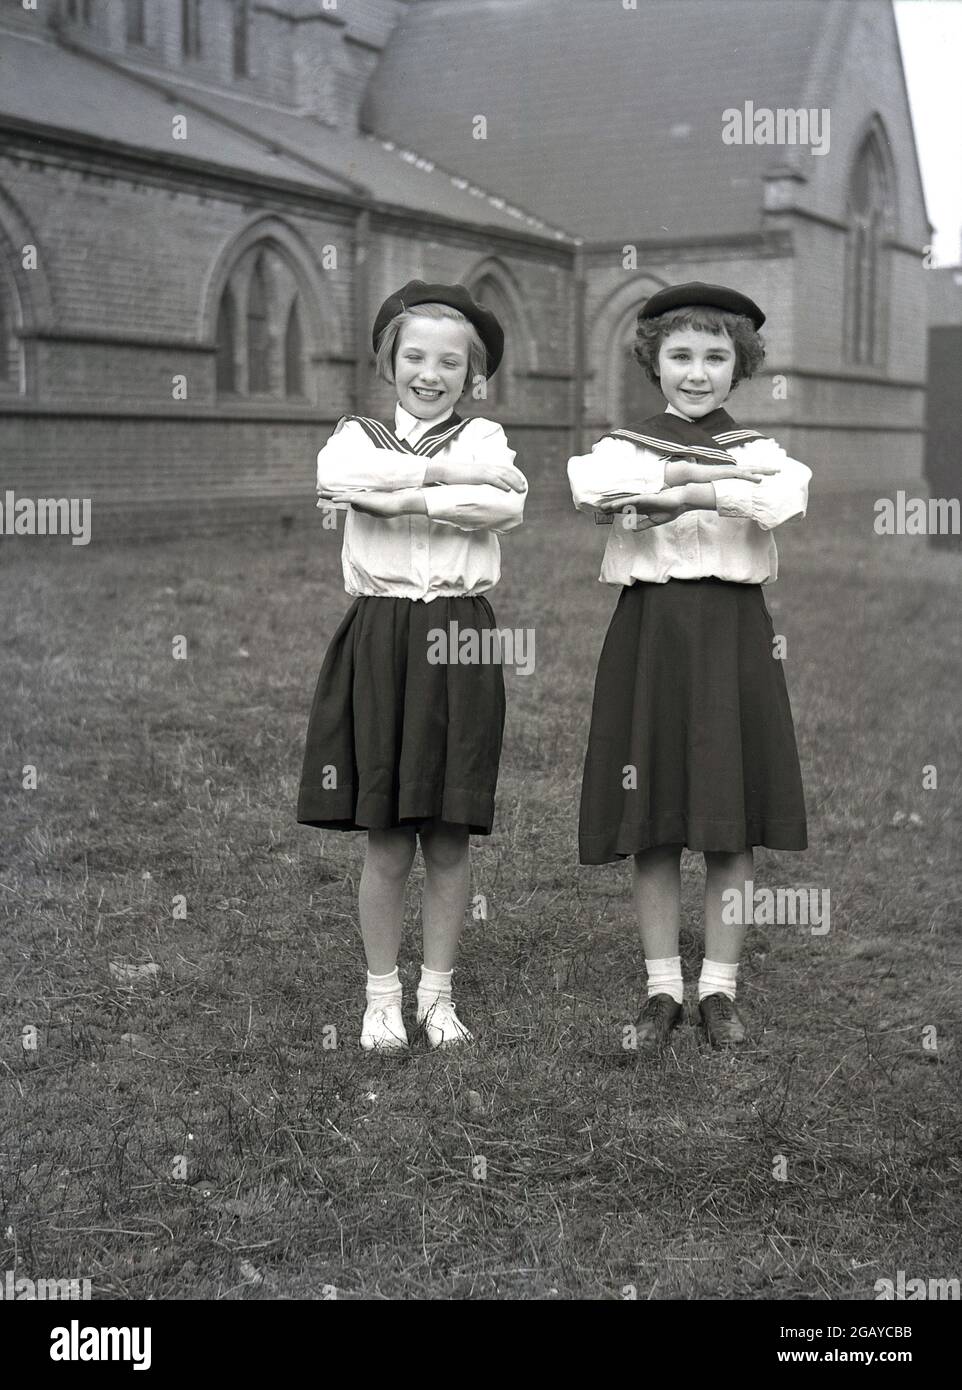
(294, 354)
(190, 39)
(866, 261)
(262, 332)
(226, 344)
(258, 336)
(488, 292)
(242, 19)
(11, 349)
(5, 335)
(637, 396)
(136, 21)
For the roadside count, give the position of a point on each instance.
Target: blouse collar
(409, 428)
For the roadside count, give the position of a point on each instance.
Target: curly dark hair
(745, 338)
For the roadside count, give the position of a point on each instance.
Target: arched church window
(242, 19)
(639, 397)
(226, 344)
(136, 21)
(4, 336)
(262, 332)
(190, 36)
(489, 293)
(258, 337)
(294, 353)
(11, 348)
(868, 208)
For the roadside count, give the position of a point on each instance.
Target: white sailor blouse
(733, 543)
(454, 549)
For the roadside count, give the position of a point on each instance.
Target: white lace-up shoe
(383, 1029)
(441, 1025)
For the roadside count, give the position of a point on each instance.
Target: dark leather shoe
(720, 1020)
(654, 1024)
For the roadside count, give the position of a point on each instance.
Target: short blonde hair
(387, 345)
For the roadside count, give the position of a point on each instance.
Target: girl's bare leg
(656, 889)
(387, 864)
(447, 888)
(724, 939)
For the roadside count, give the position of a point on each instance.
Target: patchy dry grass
(310, 1166)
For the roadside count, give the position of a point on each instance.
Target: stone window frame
(79, 12)
(135, 23)
(30, 293)
(191, 31)
(27, 305)
(870, 211)
(319, 323)
(609, 333)
(259, 320)
(241, 46)
(11, 352)
(520, 342)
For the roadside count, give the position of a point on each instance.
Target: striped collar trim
(430, 443)
(679, 449)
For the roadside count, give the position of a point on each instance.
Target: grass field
(194, 1134)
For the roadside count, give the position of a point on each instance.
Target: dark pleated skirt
(394, 740)
(692, 740)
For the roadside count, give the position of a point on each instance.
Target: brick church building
(203, 201)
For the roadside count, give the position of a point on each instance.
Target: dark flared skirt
(692, 740)
(395, 739)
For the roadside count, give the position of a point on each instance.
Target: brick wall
(157, 475)
(131, 263)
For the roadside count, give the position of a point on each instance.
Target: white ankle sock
(664, 977)
(434, 988)
(384, 989)
(717, 978)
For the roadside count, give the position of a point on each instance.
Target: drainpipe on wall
(578, 394)
(362, 317)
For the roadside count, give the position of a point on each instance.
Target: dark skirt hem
(701, 836)
(326, 810)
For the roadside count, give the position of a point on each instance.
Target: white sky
(930, 32)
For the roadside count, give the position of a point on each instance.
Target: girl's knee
(391, 852)
(658, 854)
(444, 846)
(725, 858)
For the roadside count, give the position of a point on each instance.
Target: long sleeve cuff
(733, 497)
(475, 507)
(350, 462)
(614, 468)
(778, 498)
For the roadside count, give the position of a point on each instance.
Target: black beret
(456, 297)
(695, 293)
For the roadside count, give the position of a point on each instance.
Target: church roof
(592, 108)
(66, 90)
(69, 91)
(390, 173)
